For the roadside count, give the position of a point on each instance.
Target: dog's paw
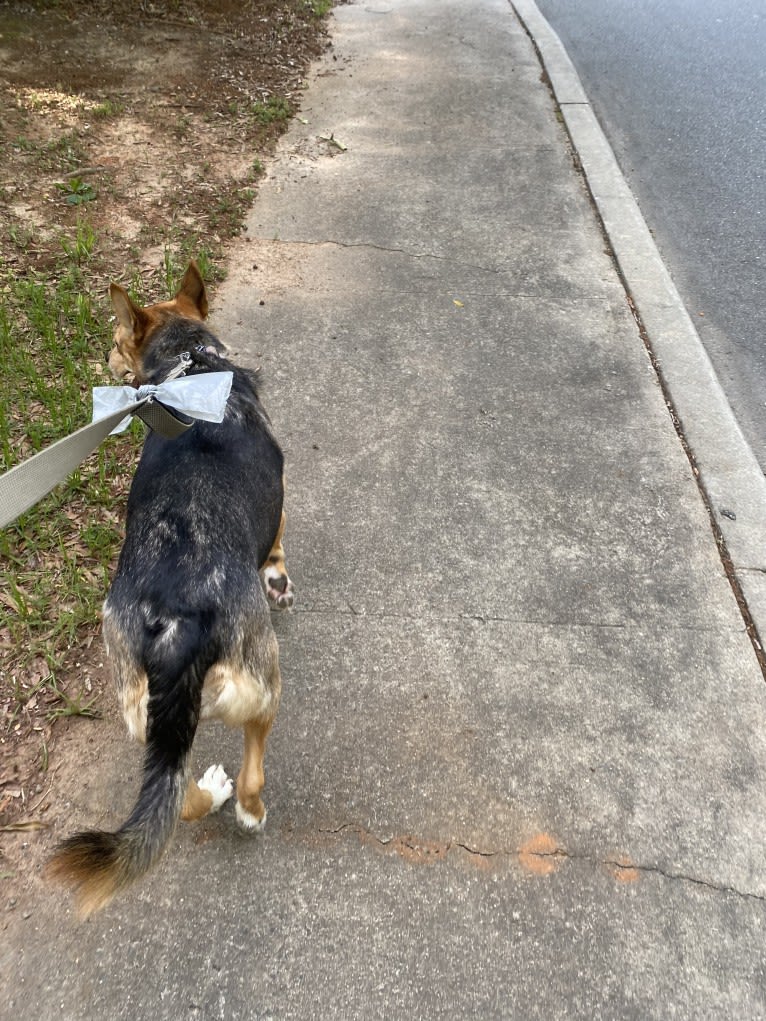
(248, 822)
(218, 785)
(279, 588)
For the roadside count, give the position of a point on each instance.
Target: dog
(186, 622)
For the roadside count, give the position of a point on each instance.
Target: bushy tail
(97, 864)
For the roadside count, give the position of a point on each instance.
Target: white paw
(218, 784)
(279, 588)
(248, 822)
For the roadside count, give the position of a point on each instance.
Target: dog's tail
(98, 864)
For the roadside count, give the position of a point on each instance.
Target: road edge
(729, 476)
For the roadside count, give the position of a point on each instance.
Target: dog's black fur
(216, 484)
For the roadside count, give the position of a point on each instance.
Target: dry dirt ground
(153, 121)
(164, 109)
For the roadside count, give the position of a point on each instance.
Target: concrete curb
(730, 476)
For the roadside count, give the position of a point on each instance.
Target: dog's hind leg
(251, 812)
(279, 588)
(207, 796)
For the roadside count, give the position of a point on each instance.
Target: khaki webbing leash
(26, 484)
(202, 396)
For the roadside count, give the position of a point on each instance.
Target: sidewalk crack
(682, 877)
(496, 270)
(541, 855)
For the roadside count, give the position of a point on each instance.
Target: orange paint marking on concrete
(540, 855)
(623, 870)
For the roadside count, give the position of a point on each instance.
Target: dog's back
(208, 502)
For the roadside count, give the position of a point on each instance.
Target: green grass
(108, 108)
(60, 155)
(319, 8)
(274, 110)
(50, 337)
(55, 559)
(175, 262)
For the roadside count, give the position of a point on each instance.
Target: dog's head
(135, 326)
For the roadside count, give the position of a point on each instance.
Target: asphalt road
(680, 89)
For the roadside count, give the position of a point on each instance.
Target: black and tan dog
(186, 622)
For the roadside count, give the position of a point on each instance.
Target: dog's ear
(129, 315)
(193, 289)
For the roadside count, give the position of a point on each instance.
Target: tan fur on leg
(197, 802)
(279, 588)
(251, 812)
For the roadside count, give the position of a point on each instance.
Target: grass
(53, 338)
(60, 154)
(319, 8)
(55, 560)
(107, 109)
(274, 110)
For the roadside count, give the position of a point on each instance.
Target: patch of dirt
(164, 110)
(151, 122)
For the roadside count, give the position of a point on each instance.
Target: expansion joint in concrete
(350, 610)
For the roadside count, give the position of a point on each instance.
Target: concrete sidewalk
(520, 765)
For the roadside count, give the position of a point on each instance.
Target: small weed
(175, 263)
(98, 539)
(62, 154)
(24, 145)
(170, 272)
(68, 150)
(22, 237)
(182, 126)
(206, 267)
(76, 191)
(76, 706)
(274, 110)
(225, 206)
(81, 248)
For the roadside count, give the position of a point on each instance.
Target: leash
(170, 408)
